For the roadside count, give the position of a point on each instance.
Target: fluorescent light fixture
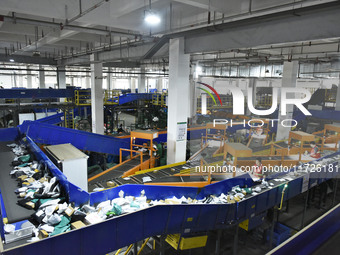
(199, 71)
(152, 18)
(11, 60)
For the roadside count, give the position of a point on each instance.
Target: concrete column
(29, 78)
(141, 81)
(61, 77)
(337, 102)
(193, 100)
(14, 80)
(133, 85)
(289, 77)
(178, 100)
(20, 79)
(41, 77)
(97, 105)
(109, 80)
(88, 82)
(114, 83)
(204, 103)
(159, 85)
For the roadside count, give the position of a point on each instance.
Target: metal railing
(83, 97)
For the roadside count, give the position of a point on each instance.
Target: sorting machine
(195, 219)
(167, 219)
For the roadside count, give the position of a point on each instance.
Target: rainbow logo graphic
(208, 92)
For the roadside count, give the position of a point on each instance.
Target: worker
(120, 129)
(257, 168)
(315, 153)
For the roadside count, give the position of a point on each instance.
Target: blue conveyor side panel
(321, 114)
(37, 93)
(41, 133)
(196, 134)
(2, 216)
(313, 236)
(121, 231)
(128, 98)
(9, 134)
(51, 166)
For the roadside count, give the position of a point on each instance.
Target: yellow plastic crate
(186, 243)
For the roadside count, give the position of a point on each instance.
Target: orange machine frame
(236, 150)
(336, 137)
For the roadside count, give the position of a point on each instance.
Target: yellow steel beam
(128, 249)
(141, 248)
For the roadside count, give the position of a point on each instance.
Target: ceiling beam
(204, 6)
(304, 24)
(28, 60)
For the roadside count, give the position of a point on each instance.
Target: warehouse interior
(169, 127)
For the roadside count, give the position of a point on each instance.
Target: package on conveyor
(18, 150)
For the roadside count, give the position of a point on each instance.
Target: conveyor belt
(162, 175)
(101, 181)
(263, 158)
(14, 212)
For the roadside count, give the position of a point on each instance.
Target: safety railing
(83, 97)
(159, 99)
(264, 100)
(111, 97)
(330, 95)
(131, 154)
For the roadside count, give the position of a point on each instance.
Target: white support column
(20, 79)
(178, 101)
(141, 81)
(159, 85)
(41, 77)
(109, 79)
(87, 82)
(193, 99)
(337, 102)
(204, 103)
(97, 105)
(114, 83)
(61, 77)
(133, 85)
(289, 77)
(29, 78)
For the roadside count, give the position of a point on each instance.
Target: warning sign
(181, 131)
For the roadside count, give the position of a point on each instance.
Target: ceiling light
(11, 60)
(152, 18)
(199, 71)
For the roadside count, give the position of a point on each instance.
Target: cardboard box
(69, 211)
(42, 234)
(77, 225)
